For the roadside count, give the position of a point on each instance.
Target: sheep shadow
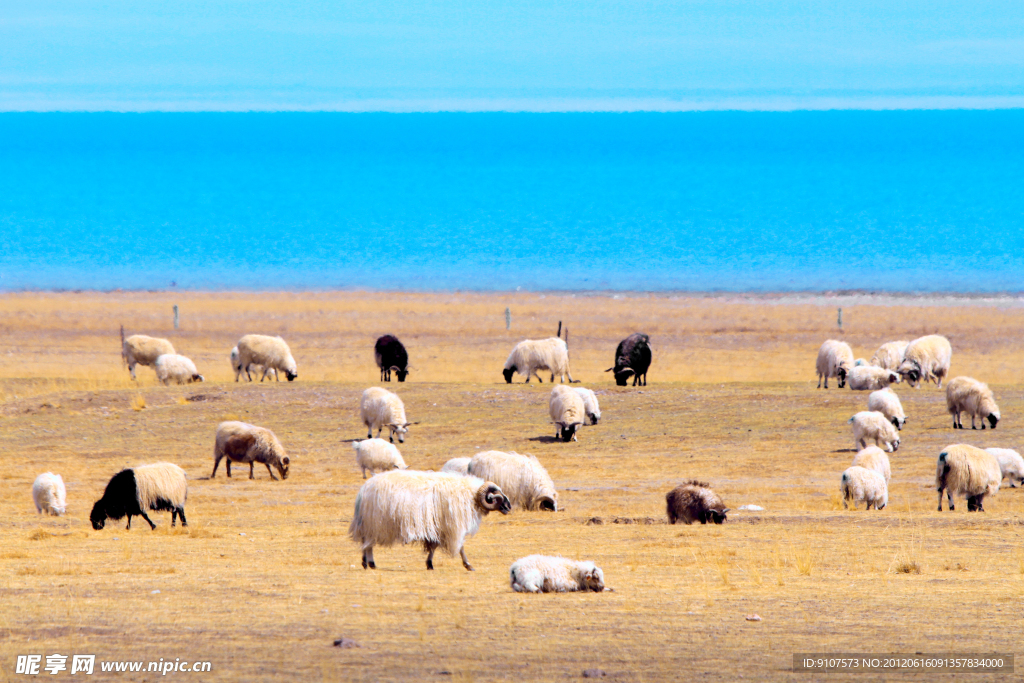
(545, 439)
(846, 450)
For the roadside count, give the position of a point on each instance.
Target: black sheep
(132, 491)
(632, 357)
(390, 355)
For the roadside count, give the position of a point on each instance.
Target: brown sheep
(695, 500)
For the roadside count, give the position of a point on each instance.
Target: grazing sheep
(377, 455)
(968, 395)
(139, 349)
(871, 424)
(546, 574)
(567, 412)
(967, 471)
(695, 501)
(886, 402)
(521, 477)
(1011, 464)
(132, 491)
(390, 354)
(49, 494)
(632, 357)
(590, 404)
(270, 352)
(246, 443)
(890, 355)
(862, 484)
(835, 359)
(438, 509)
(457, 466)
(927, 359)
(531, 355)
(236, 367)
(870, 378)
(170, 367)
(874, 458)
(380, 408)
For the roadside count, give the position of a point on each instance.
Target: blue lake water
(897, 201)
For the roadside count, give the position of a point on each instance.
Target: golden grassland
(264, 579)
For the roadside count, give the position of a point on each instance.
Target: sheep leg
(364, 473)
(181, 515)
(131, 369)
(431, 547)
(368, 558)
(972, 421)
(146, 517)
(227, 466)
(250, 469)
(216, 464)
(266, 368)
(949, 497)
(271, 471)
(129, 523)
(465, 562)
(537, 375)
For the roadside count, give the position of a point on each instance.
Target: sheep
(547, 574)
(521, 477)
(438, 509)
(590, 405)
(390, 354)
(890, 355)
(870, 378)
(968, 395)
(874, 458)
(1011, 464)
(132, 491)
(236, 367)
(632, 357)
(694, 501)
(457, 466)
(170, 367)
(871, 424)
(968, 471)
(886, 401)
(927, 359)
(835, 359)
(531, 355)
(139, 349)
(377, 454)
(49, 494)
(861, 484)
(246, 443)
(567, 412)
(379, 408)
(270, 352)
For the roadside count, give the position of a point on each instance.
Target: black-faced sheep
(521, 477)
(870, 378)
(245, 443)
(835, 359)
(886, 401)
(967, 471)
(695, 501)
(632, 357)
(1011, 464)
(49, 494)
(531, 355)
(926, 358)
(547, 574)
(567, 412)
(139, 349)
(236, 367)
(968, 395)
(379, 408)
(132, 491)
(590, 405)
(269, 352)
(391, 355)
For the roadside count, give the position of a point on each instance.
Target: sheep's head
(894, 378)
(911, 370)
(98, 516)
(594, 418)
(399, 372)
(508, 372)
(841, 373)
(592, 577)
(400, 430)
(895, 445)
(291, 374)
(622, 376)
(491, 499)
(547, 504)
(716, 516)
(898, 423)
(197, 378)
(568, 432)
(993, 419)
(282, 466)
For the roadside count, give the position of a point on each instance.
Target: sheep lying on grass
(967, 471)
(132, 491)
(861, 484)
(835, 359)
(886, 402)
(521, 477)
(377, 455)
(926, 358)
(170, 367)
(139, 349)
(695, 501)
(567, 412)
(546, 574)
(1011, 464)
(870, 424)
(270, 352)
(49, 494)
(246, 443)
(968, 395)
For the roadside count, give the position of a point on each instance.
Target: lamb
(1011, 465)
(890, 355)
(870, 378)
(139, 349)
(546, 574)
(632, 357)
(968, 471)
(567, 412)
(521, 477)
(49, 494)
(132, 491)
(270, 352)
(835, 359)
(926, 358)
(886, 401)
(968, 395)
(438, 509)
(862, 484)
(377, 454)
(531, 355)
(457, 466)
(874, 458)
(590, 404)
(246, 443)
(170, 367)
(391, 355)
(871, 424)
(695, 501)
(380, 408)
(236, 367)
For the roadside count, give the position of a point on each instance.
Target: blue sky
(512, 55)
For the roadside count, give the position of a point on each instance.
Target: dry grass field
(265, 578)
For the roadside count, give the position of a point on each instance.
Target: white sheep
(886, 401)
(437, 509)
(170, 367)
(379, 408)
(521, 477)
(547, 574)
(871, 424)
(927, 359)
(377, 455)
(590, 404)
(835, 359)
(457, 466)
(890, 355)
(270, 352)
(874, 458)
(567, 412)
(968, 395)
(870, 378)
(236, 367)
(1011, 464)
(139, 349)
(49, 494)
(967, 471)
(531, 355)
(861, 484)
(245, 443)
